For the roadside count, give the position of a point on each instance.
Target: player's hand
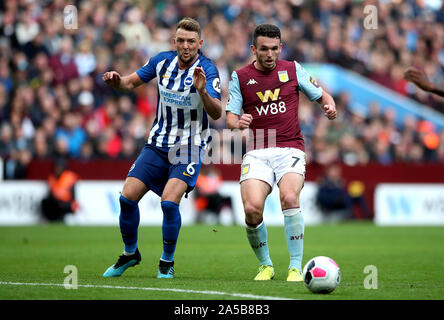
(199, 79)
(112, 78)
(245, 120)
(330, 111)
(419, 78)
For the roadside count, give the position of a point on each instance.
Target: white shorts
(271, 164)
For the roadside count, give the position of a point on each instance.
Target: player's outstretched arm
(116, 81)
(233, 121)
(328, 105)
(212, 106)
(419, 78)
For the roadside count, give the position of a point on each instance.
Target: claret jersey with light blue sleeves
(180, 117)
(272, 98)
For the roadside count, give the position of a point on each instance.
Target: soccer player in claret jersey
(189, 90)
(267, 91)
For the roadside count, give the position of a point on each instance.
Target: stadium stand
(53, 102)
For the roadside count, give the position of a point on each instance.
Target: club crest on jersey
(283, 76)
(188, 81)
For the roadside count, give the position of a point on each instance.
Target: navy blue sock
(129, 223)
(170, 228)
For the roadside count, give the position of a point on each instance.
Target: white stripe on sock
(291, 212)
(258, 226)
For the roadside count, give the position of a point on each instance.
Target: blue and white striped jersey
(181, 118)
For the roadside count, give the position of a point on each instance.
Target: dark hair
(189, 24)
(266, 30)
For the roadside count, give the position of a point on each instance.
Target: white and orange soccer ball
(321, 275)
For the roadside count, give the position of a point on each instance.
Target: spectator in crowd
(332, 197)
(72, 133)
(360, 208)
(61, 196)
(207, 198)
(63, 64)
(48, 73)
(419, 78)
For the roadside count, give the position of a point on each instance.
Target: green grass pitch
(409, 262)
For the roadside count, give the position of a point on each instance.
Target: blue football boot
(123, 263)
(166, 270)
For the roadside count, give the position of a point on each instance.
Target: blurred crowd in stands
(54, 103)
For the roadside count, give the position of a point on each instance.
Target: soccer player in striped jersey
(188, 92)
(267, 91)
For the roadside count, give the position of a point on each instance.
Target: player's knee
(133, 189)
(290, 200)
(130, 192)
(252, 208)
(253, 213)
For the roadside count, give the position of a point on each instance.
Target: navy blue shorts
(154, 169)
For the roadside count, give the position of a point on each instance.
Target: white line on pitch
(219, 293)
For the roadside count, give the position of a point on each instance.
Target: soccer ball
(321, 275)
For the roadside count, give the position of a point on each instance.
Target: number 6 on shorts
(190, 168)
